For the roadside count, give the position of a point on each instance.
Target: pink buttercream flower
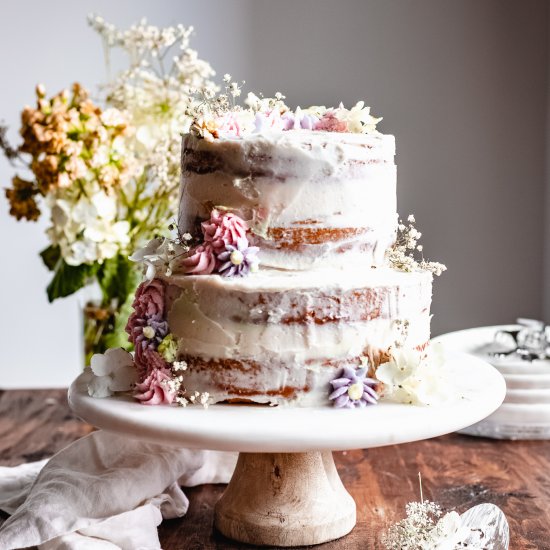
(155, 389)
(229, 125)
(223, 229)
(148, 313)
(148, 302)
(201, 260)
(331, 123)
(147, 360)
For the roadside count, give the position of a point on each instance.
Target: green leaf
(50, 256)
(118, 338)
(118, 278)
(69, 278)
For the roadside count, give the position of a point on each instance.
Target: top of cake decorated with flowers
(217, 116)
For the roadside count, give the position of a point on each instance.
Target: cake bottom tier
(279, 337)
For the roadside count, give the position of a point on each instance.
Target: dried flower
(401, 255)
(22, 199)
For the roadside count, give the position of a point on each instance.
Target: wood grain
(458, 472)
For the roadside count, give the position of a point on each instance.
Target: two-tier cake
(285, 283)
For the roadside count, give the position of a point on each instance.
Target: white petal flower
(413, 377)
(81, 252)
(99, 386)
(107, 250)
(113, 371)
(113, 117)
(105, 205)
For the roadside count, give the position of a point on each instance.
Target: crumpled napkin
(103, 492)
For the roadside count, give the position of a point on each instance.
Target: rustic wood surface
(458, 472)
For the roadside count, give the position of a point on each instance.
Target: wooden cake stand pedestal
(285, 490)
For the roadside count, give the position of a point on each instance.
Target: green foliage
(68, 279)
(118, 277)
(50, 256)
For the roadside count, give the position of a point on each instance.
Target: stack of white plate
(525, 413)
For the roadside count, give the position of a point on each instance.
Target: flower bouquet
(107, 171)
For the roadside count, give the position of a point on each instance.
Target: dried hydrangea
(406, 254)
(79, 162)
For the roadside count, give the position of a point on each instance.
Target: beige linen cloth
(103, 492)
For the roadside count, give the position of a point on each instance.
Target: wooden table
(458, 472)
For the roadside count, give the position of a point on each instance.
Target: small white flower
(179, 365)
(411, 377)
(113, 117)
(105, 205)
(113, 371)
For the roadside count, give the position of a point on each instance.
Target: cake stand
(285, 490)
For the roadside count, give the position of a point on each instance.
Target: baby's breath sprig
(406, 254)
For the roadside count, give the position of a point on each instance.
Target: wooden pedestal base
(285, 499)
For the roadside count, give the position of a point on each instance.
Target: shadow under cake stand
(285, 490)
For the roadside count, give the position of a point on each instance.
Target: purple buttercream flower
(299, 120)
(352, 389)
(238, 260)
(149, 332)
(266, 121)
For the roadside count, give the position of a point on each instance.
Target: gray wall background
(461, 83)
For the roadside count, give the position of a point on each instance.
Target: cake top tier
(309, 197)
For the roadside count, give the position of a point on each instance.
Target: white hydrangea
(87, 230)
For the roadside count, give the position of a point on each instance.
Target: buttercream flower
(299, 120)
(155, 389)
(223, 229)
(234, 124)
(146, 325)
(331, 123)
(352, 389)
(238, 260)
(149, 332)
(411, 376)
(200, 261)
(149, 299)
(270, 120)
(113, 371)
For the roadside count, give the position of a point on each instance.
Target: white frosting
(298, 180)
(322, 209)
(290, 324)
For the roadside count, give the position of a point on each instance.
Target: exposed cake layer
(280, 337)
(312, 198)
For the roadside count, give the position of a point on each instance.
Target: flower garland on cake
(217, 116)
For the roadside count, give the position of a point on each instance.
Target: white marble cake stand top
(480, 390)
